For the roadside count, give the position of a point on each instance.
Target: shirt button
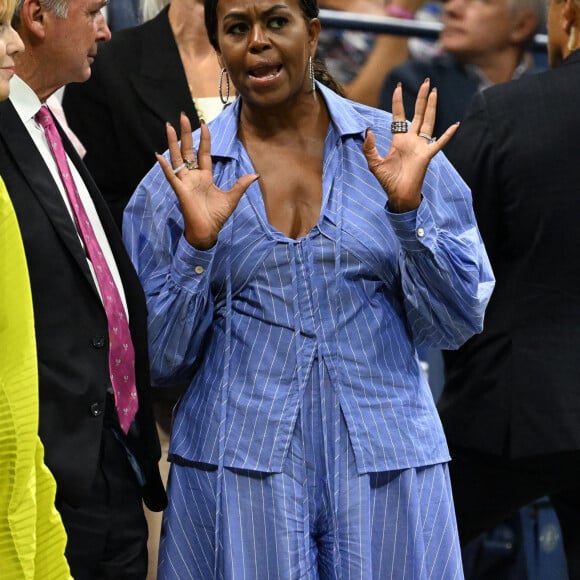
(98, 341)
(199, 269)
(420, 232)
(96, 409)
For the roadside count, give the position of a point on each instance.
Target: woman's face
(10, 44)
(265, 46)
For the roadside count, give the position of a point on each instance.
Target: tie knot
(44, 118)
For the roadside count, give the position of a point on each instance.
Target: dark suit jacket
(137, 84)
(515, 388)
(71, 324)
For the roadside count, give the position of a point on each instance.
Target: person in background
(483, 43)
(95, 416)
(32, 537)
(360, 60)
(510, 404)
(289, 283)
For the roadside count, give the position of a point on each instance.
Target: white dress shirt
(27, 104)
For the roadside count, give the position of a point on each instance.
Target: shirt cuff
(190, 264)
(415, 229)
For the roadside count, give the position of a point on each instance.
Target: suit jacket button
(97, 409)
(99, 341)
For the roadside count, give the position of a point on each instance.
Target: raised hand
(402, 171)
(205, 207)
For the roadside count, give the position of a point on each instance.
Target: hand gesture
(205, 207)
(402, 171)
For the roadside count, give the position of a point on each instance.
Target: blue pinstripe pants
(317, 519)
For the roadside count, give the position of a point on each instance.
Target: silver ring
(399, 127)
(187, 164)
(179, 168)
(428, 137)
(190, 164)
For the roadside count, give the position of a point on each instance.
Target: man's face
(72, 40)
(474, 29)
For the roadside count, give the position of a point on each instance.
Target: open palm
(402, 170)
(205, 207)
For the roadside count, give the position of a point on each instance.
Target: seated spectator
(483, 43)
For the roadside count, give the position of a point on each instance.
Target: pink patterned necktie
(121, 353)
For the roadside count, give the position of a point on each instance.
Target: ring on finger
(399, 127)
(429, 138)
(190, 164)
(179, 168)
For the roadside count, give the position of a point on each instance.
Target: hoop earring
(311, 74)
(225, 100)
(572, 39)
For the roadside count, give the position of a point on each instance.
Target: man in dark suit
(482, 43)
(103, 455)
(511, 402)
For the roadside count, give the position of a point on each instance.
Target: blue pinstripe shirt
(244, 322)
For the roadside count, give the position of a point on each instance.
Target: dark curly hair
(309, 10)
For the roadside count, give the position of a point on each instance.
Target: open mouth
(265, 71)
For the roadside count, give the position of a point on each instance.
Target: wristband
(398, 12)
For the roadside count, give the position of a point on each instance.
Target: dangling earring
(311, 74)
(572, 39)
(225, 100)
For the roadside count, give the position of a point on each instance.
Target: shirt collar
(483, 82)
(24, 99)
(345, 115)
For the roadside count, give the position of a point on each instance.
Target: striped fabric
(243, 322)
(317, 519)
(32, 537)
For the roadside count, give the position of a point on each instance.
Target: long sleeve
(446, 276)
(244, 322)
(175, 277)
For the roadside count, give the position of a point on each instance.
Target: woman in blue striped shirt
(291, 272)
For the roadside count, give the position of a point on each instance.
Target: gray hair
(58, 7)
(538, 7)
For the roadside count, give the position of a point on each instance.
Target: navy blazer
(71, 324)
(137, 84)
(513, 389)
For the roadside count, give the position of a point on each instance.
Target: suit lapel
(32, 167)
